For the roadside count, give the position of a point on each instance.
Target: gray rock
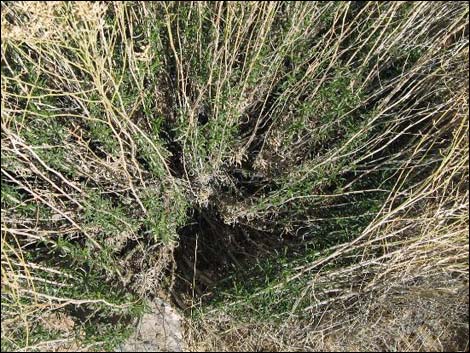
(158, 331)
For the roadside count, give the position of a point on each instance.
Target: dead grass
(147, 143)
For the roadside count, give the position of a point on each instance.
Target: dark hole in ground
(249, 183)
(210, 251)
(202, 118)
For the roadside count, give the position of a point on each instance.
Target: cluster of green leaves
(165, 215)
(111, 220)
(79, 272)
(102, 324)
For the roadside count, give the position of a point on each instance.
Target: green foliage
(165, 214)
(109, 219)
(102, 134)
(296, 120)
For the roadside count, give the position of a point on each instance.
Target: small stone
(157, 331)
